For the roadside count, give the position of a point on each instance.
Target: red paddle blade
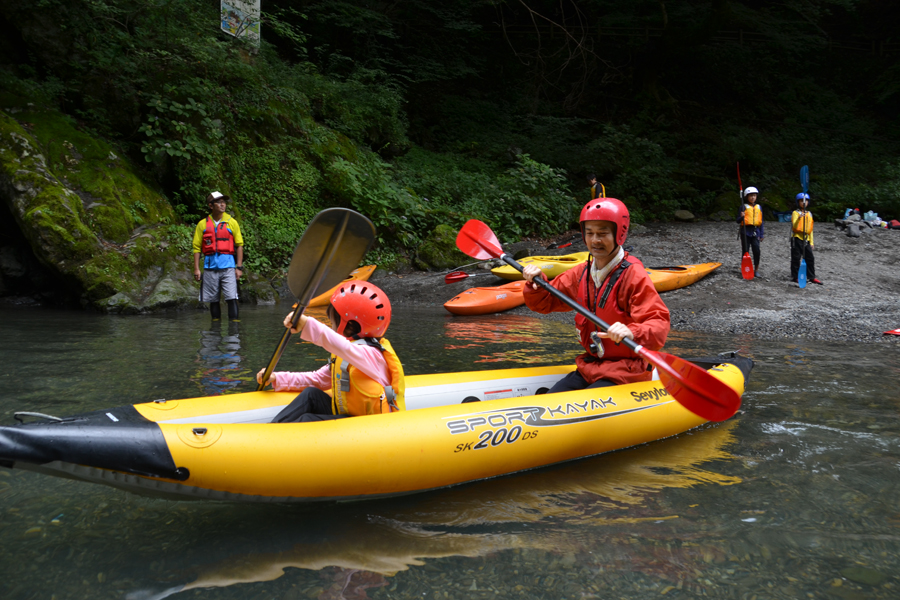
(455, 276)
(694, 388)
(478, 241)
(892, 332)
(747, 266)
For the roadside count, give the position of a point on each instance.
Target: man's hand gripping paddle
(746, 261)
(801, 272)
(333, 244)
(691, 386)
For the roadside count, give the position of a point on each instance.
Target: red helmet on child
(607, 209)
(364, 303)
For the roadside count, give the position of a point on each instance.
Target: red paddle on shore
(691, 386)
(455, 276)
(746, 261)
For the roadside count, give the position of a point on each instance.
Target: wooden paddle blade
(478, 241)
(455, 276)
(694, 388)
(801, 274)
(333, 245)
(747, 266)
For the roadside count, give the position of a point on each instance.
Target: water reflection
(219, 358)
(525, 340)
(778, 503)
(365, 542)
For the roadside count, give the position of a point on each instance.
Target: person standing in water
(218, 239)
(614, 286)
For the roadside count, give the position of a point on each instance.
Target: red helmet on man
(364, 303)
(607, 209)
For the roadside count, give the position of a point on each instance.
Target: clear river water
(797, 496)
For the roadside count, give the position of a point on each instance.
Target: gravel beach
(860, 298)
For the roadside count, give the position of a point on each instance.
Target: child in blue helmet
(802, 240)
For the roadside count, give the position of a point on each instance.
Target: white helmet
(750, 190)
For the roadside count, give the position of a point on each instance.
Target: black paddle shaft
(629, 343)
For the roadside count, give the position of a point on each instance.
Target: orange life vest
(217, 239)
(752, 215)
(355, 393)
(803, 224)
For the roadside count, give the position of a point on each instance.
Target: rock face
(81, 228)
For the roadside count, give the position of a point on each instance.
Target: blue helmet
(801, 196)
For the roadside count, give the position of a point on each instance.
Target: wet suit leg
(215, 309)
(810, 263)
(311, 405)
(232, 309)
(574, 381)
(796, 249)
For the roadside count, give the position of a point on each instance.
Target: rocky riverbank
(860, 298)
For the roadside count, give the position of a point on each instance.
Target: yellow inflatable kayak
(550, 265)
(459, 427)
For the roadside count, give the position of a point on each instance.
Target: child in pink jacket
(364, 368)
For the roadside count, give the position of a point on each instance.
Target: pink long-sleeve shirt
(365, 358)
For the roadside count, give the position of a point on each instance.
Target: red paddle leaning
(746, 261)
(691, 386)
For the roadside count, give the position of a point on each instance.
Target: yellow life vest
(354, 393)
(802, 223)
(752, 215)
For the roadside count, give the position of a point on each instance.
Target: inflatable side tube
(118, 439)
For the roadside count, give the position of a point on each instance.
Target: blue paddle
(801, 273)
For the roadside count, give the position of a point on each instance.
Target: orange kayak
(671, 278)
(362, 273)
(486, 300)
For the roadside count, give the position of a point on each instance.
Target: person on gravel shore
(615, 287)
(752, 229)
(802, 240)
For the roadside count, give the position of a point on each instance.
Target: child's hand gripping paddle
(691, 386)
(801, 273)
(746, 261)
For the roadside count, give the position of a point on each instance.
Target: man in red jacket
(615, 287)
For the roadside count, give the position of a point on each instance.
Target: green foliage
(417, 114)
(277, 194)
(169, 135)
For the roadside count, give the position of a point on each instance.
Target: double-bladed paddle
(332, 246)
(746, 261)
(801, 272)
(691, 386)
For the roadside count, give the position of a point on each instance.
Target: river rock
(864, 575)
(684, 215)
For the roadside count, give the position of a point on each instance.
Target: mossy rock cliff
(107, 238)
